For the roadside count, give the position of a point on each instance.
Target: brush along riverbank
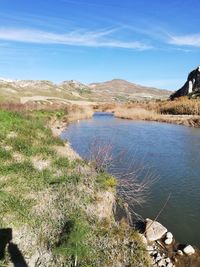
(55, 209)
(183, 111)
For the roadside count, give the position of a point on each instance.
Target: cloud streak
(185, 40)
(75, 38)
(166, 37)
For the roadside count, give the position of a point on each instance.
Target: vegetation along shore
(56, 209)
(182, 111)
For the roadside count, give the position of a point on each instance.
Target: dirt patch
(40, 164)
(66, 151)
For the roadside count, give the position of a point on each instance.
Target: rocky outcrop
(163, 248)
(154, 230)
(191, 87)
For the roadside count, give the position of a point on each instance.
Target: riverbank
(143, 114)
(183, 112)
(56, 210)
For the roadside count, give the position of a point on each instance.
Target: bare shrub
(134, 181)
(100, 155)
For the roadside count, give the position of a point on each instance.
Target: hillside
(118, 88)
(22, 91)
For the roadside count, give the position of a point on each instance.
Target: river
(166, 151)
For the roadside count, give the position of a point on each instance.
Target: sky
(149, 42)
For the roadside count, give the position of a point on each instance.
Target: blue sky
(150, 42)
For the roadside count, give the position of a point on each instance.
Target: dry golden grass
(183, 106)
(185, 112)
(18, 107)
(182, 111)
(135, 113)
(75, 112)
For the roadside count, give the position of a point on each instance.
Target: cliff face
(191, 87)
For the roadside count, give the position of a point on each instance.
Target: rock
(191, 87)
(154, 230)
(169, 264)
(180, 252)
(161, 263)
(158, 257)
(189, 250)
(150, 249)
(169, 235)
(167, 260)
(168, 241)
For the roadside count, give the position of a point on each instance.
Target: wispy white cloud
(167, 37)
(100, 38)
(187, 40)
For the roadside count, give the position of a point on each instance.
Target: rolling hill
(22, 91)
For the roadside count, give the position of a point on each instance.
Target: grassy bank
(56, 210)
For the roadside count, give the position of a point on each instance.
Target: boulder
(189, 250)
(168, 241)
(169, 235)
(180, 252)
(158, 257)
(154, 230)
(161, 263)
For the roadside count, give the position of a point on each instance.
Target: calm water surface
(171, 152)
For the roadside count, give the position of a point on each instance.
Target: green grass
(4, 154)
(18, 206)
(73, 242)
(23, 168)
(72, 179)
(61, 162)
(105, 180)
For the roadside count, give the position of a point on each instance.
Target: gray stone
(150, 249)
(180, 252)
(161, 263)
(189, 250)
(169, 235)
(158, 258)
(154, 230)
(168, 241)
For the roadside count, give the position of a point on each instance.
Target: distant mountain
(42, 90)
(121, 88)
(191, 87)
